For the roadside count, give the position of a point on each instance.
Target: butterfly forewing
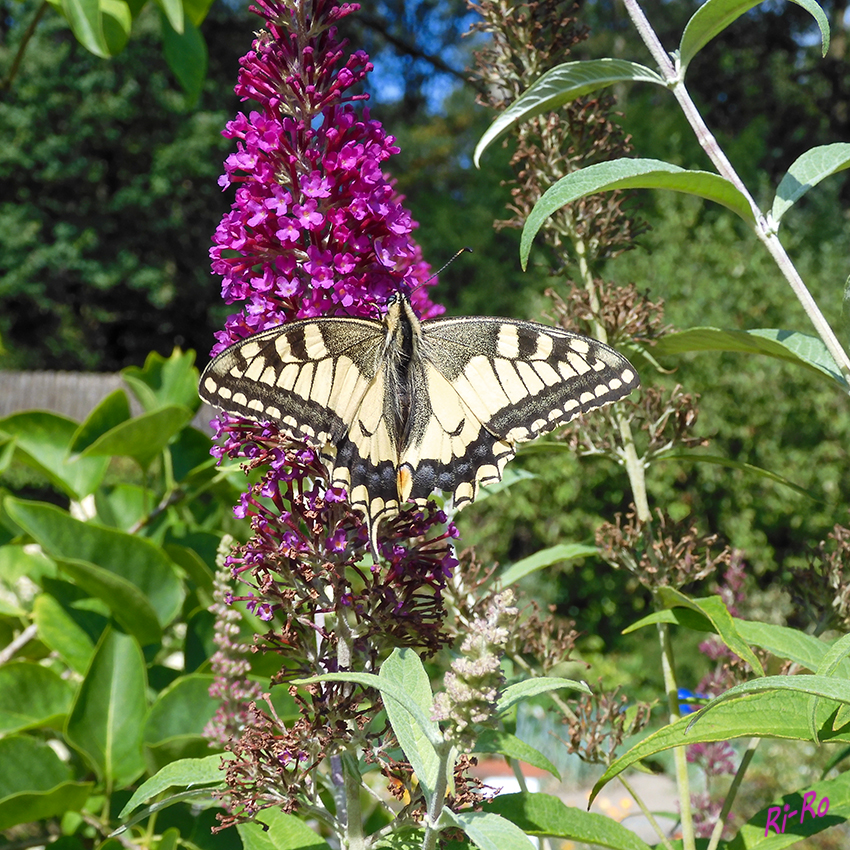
(309, 376)
(522, 379)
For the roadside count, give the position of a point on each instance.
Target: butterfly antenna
(443, 268)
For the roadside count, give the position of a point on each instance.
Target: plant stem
(682, 781)
(764, 229)
(438, 798)
(6, 84)
(634, 466)
(732, 793)
(646, 812)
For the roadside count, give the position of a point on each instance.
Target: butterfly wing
(310, 377)
(497, 382)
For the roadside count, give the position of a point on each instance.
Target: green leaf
(772, 714)
(830, 664)
(183, 708)
(126, 602)
(755, 835)
(111, 411)
(31, 696)
(186, 773)
(543, 814)
(134, 559)
(487, 830)
(186, 55)
(117, 21)
(109, 710)
(792, 346)
(404, 670)
(196, 10)
(713, 609)
(631, 174)
(87, 25)
(785, 642)
(285, 832)
(807, 171)
(561, 85)
(699, 457)
(387, 688)
(818, 686)
(532, 687)
(68, 631)
(143, 437)
(121, 506)
(714, 16)
(35, 783)
(173, 11)
(545, 558)
(42, 441)
(503, 743)
(165, 382)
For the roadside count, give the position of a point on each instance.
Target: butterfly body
(399, 408)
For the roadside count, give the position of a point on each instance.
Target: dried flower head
(822, 589)
(662, 553)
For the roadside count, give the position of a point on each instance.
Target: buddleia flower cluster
(316, 229)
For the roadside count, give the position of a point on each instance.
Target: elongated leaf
(404, 669)
(165, 381)
(117, 20)
(532, 687)
(816, 686)
(131, 558)
(545, 558)
(792, 346)
(717, 460)
(126, 602)
(35, 783)
(714, 16)
(830, 664)
(713, 609)
(771, 714)
(284, 832)
(561, 85)
(543, 814)
(186, 55)
(106, 721)
(173, 10)
(143, 437)
(807, 171)
(503, 743)
(186, 773)
(68, 631)
(196, 10)
(761, 832)
(370, 680)
(87, 26)
(487, 830)
(781, 641)
(110, 411)
(31, 696)
(631, 174)
(183, 708)
(42, 441)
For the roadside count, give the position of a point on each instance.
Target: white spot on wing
(507, 341)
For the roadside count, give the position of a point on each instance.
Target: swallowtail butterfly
(400, 408)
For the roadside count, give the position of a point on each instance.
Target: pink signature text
(809, 799)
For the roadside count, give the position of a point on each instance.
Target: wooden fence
(71, 394)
